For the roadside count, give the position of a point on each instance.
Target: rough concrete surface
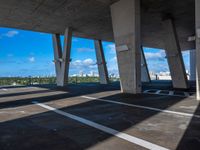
(92, 19)
(24, 125)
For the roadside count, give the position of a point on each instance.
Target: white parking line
(146, 91)
(144, 107)
(158, 92)
(4, 89)
(121, 135)
(171, 92)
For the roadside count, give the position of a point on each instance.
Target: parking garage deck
(95, 117)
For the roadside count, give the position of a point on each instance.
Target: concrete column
(57, 55)
(174, 56)
(126, 27)
(62, 58)
(192, 65)
(102, 68)
(145, 77)
(197, 29)
(66, 56)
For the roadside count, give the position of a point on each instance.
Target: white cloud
(87, 63)
(11, 33)
(77, 63)
(85, 49)
(185, 53)
(158, 55)
(112, 65)
(111, 48)
(114, 59)
(31, 59)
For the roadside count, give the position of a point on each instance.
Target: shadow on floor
(167, 85)
(71, 91)
(191, 137)
(51, 131)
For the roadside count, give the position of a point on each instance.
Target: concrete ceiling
(91, 18)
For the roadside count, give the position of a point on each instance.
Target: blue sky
(26, 53)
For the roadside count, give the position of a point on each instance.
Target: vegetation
(47, 80)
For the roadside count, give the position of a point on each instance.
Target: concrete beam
(101, 63)
(193, 65)
(126, 27)
(145, 77)
(174, 56)
(62, 58)
(197, 29)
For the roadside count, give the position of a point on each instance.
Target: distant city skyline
(26, 53)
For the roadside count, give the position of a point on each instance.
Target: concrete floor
(164, 121)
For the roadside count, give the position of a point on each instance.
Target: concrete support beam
(174, 56)
(126, 27)
(62, 57)
(102, 68)
(57, 55)
(197, 29)
(192, 65)
(145, 77)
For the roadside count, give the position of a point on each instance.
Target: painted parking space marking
(169, 93)
(144, 107)
(158, 92)
(3, 89)
(121, 135)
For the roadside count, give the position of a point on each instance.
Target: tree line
(47, 80)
